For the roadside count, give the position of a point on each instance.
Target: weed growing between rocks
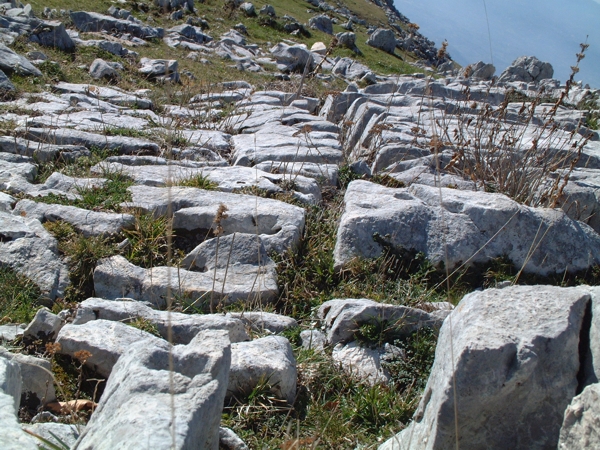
(82, 254)
(19, 297)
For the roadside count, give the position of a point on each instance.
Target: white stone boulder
(509, 358)
(105, 340)
(342, 318)
(184, 327)
(461, 227)
(268, 360)
(143, 397)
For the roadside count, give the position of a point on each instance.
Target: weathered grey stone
(36, 375)
(44, 325)
(342, 318)
(294, 58)
(361, 363)
(227, 179)
(269, 359)
(94, 22)
(279, 224)
(50, 431)
(29, 249)
(527, 69)
(61, 182)
(268, 10)
(40, 151)
(12, 437)
(10, 382)
(581, 425)
(466, 227)
(99, 94)
(89, 223)
(5, 84)
(11, 62)
(101, 69)
(479, 71)
(509, 358)
(11, 331)
(287, 144)
(325, 174)
(115, 277)
(52, 34)
(348, 40)
(120, 144)
(261, 321)
(313, 339)
(6, 202)
(161, 69)
(248, 9)
(322, 23)
(181, 328)
(105, 340)
(140, 395)
(350, 69)
(383, 39)
(228, 440)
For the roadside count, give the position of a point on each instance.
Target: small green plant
(82, 255)
(148, 241)
(412, 370)
(19, 297)
(198, 181)
(145, 325)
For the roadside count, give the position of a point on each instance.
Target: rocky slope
(291, 240)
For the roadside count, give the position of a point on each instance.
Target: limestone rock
(268, 359)
(89, 223)
(515, 362)
(29, 249)
(106, 341)
(44, 325)
(466, 227)
(527, 69)
(95, 22)
(35, 375)
(322, 23)
(581, 425)
(383, 39)
(342, 318)
(67, 434)
(140, 383)
(11, 62)
(184, 327)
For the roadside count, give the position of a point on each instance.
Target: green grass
(198, 181)
(82, 254)
(19, 297)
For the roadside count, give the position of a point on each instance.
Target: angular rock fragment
(89, 223)
(278, 224)
(183, 327)
(266, 361)
(342, 318)
(464, 227)
(105, 341)
(30, 250)
(581, 425)
(140, 383)
(509, 359)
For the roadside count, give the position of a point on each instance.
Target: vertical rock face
(509, 358)
(140, 383)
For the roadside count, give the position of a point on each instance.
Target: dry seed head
(82, 356)
(441, 54)
(468, 71)
(53, 348)
(219, 217)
